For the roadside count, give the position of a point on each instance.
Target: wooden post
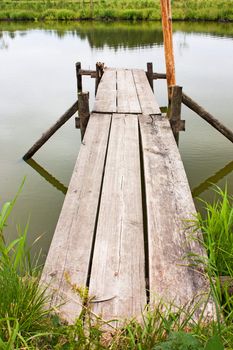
(79, 77)
(168, 44)
(174, 111)
(66, 116)
(207, 116)
(83, 110)
(149, 74)
(97, 78)
(99, 74)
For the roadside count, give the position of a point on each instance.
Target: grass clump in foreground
(25, 323)
(114, 9)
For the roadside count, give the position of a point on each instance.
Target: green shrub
(23, 15)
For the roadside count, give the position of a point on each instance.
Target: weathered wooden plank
(127, 98)
(169, 203)
(105, 101)
(146, 97)
(117, 276)
(70, 249)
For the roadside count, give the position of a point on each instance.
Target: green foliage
(217, 228)
(180, 341)
(114, 9)
(214, 343)
(22, 301)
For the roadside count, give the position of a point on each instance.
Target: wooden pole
(207, 116)
(83, 111)
(62, 120)
(149, 74)
(79, 76)
(174, 111)
(168, 44)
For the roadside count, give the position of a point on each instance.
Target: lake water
(38, 83)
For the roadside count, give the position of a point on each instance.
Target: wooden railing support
(159, 76)
(83, 111)
(79, 76)
(174, 111)
(149, 74)
(92, 73)
(62, 120)
(194, 106)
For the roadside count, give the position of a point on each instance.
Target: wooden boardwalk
(122, 231)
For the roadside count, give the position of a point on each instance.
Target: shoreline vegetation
(64, 10)
(26, 323)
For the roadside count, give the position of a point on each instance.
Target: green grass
(25, 323)
(22, 312)
(114, 9)
(217, 228)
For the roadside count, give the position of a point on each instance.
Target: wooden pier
(123, 232)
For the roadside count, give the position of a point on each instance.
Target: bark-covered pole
(168, 42)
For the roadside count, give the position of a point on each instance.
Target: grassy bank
(26, 324)
(216, 10)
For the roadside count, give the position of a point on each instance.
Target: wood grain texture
(106, 94)
(169, 204)
(146, 97)
(70, 249)
(118, 277)
(127, 98)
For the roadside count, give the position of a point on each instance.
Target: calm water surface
(37, 82)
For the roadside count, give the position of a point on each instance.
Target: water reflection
(205, 185)
(98, 34)
(223, 30)
(118, 34)
(47, 176)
